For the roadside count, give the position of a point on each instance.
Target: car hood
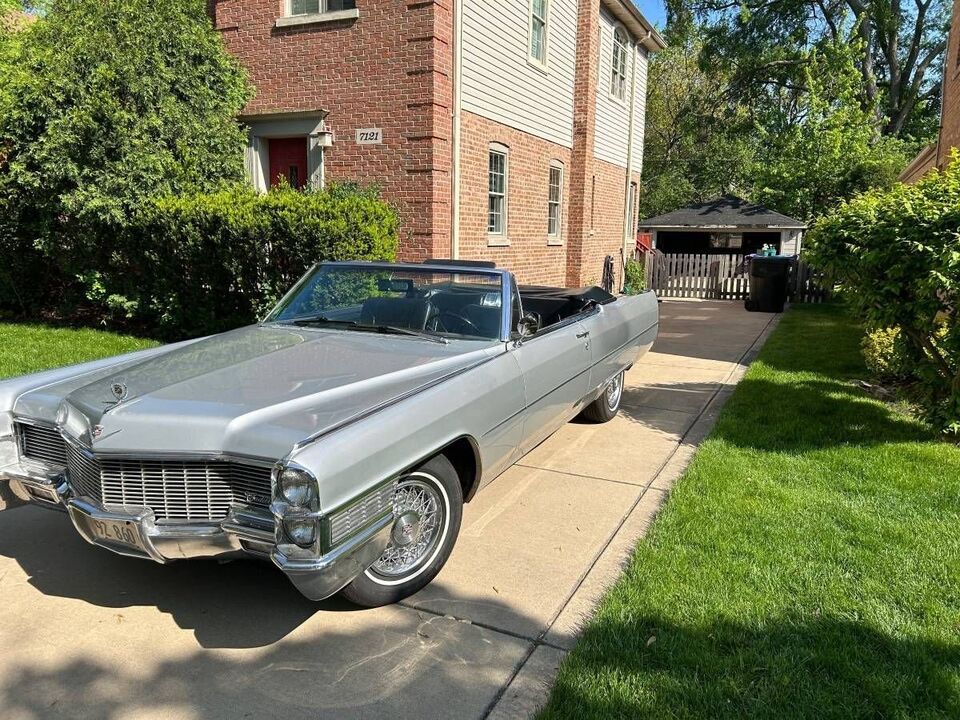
(255, 392)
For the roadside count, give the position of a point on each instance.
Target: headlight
(302, 529)
(8, 441)
(298, 487)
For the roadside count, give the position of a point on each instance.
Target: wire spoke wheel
(420, 513)
(614, 391)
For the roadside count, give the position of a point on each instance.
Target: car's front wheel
(427, 509)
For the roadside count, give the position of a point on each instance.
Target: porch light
(323, 137)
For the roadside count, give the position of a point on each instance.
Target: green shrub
(202, 263)
(634, 280)
(888, 355)
(897, 251)
(193, 264)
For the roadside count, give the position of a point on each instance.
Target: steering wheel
(463, 323)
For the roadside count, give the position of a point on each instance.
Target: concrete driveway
(85, 633)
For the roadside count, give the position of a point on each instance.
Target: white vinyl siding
(613, 116)
(500, 80)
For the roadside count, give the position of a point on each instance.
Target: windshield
(451, 304)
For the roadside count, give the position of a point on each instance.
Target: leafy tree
(108, 103)
(767, 42)
(697, 142)
(799, 148)
(821, 145)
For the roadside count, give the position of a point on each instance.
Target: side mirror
(528, 325)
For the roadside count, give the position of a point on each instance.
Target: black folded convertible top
(594, 293)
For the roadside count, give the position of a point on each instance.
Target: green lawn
(30, 348)
(806, 565)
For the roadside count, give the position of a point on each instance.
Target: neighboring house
(726, 226)
(938, 154)
(527, 112)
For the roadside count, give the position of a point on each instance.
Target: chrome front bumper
(245, 531)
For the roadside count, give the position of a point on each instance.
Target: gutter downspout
(629, 224)
(455, 129)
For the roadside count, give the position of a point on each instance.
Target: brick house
(937, 154)
(527, 112)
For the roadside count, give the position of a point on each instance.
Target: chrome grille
(174, 490)
(41, 443)
(84, 473)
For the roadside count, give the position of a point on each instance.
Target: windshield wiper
(394, 330)
(384, 329)
(321, 320)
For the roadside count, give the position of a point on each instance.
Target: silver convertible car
(338, 438)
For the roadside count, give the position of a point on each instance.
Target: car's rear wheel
(428, 508)
(606, 407)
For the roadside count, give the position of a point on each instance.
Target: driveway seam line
(580, 475)
(540, 638)
(485, 626)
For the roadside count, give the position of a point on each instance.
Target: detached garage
(726, 226)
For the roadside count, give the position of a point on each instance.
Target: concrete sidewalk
(85, 633)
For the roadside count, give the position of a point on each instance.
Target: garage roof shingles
(728, 211)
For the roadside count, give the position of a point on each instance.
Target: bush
(634, 281)
(898, 252)
(203, 263)
(888, 355)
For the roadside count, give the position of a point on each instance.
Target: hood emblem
(96, 432)
(119, 391)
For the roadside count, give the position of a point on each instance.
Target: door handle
(583, 335)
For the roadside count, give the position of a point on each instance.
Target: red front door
(288, 160)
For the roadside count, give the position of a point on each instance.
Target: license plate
(117, 532)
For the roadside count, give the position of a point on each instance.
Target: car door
(618, 330)
(555, 367)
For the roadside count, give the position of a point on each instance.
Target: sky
(654, 11)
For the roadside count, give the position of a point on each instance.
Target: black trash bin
(769, 278)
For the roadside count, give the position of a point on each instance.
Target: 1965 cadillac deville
(339, 437)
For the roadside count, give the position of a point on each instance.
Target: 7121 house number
(369, 136)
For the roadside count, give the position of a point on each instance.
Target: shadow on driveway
(240, 604)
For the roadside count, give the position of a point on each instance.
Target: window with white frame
(313, 7)
(497, 197)
(538, 30)
(555, 202)
(618, 70)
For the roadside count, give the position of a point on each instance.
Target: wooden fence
(720, 277)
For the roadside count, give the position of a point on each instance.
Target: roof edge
(927, 156)
(674, 226)
(630, 15)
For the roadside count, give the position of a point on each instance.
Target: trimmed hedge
(197, 264)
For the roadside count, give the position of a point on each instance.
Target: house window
(497, 197)
(554, 203)
(618, 71)
(538, 31)
(313, 7)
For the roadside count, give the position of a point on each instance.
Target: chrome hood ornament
(119, 390)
